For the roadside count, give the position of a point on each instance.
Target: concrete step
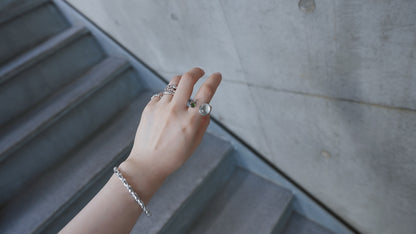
(40, 52)
(55, 197)
(185, 192)
(32, 123)
(20, 33)
(39, 73)
(298, 224)
(13, 8)
(247, 204)
(69, 128)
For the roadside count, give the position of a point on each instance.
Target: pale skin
(168, 133)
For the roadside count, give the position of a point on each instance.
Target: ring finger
(207, 91)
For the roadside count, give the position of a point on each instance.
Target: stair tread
(43, 50)
(173, 194)
(247, 204)
(56, 105)
(298, 224)
(36, 82)
(27, 30)
(13, 10)
(56, 188)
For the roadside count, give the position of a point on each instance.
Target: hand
(167, 135)
(169, 130)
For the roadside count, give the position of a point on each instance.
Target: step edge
(287, 210)
(40, 52)
(13, 145)
(195, 192)
(285, 203)
(284, 218)
(80, 193)
(96, 176)
(227, 153)
(195, 188)
(296, 215)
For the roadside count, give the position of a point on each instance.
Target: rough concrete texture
(328, 96)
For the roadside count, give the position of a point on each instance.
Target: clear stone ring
(205, 109)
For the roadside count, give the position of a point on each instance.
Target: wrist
(144, 179)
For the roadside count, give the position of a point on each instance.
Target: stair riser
(28, 30)
(10, 3)
(54, 143)
(281, 224)
(183, 219)
(58, 194)
(132, 115)
(39, 81)
(10, 9)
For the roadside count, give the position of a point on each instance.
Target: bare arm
(168, 133)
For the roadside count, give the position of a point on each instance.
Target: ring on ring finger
(204, 108)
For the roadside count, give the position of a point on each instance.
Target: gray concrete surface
(301, 225)
(247, 204)
(327, 96)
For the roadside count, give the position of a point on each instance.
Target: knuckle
(174, 107)
(172, 110)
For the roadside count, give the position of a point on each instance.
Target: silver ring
(192, 103)
(167, 92)
(159, 95)
(205, 109)
(170, 89)
(173, 86)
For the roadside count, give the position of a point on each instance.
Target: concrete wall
(328, 96)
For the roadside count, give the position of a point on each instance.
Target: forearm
(113, 209)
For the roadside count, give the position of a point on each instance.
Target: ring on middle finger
(170, 89)
(168, 92)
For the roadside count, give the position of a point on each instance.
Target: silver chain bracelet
(134, 194)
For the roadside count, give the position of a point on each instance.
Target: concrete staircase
(68, 113)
